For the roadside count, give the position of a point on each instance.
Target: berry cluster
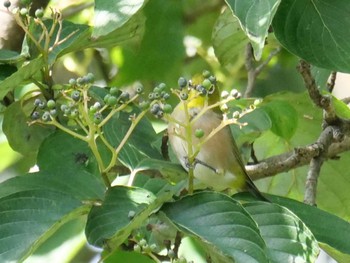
(157, 101)
(207, 86)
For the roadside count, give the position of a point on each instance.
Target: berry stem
(191, 157)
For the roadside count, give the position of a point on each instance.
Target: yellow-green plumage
(220, 165)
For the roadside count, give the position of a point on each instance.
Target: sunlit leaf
(111, 15)
(255, 18)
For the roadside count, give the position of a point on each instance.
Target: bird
(217, 163)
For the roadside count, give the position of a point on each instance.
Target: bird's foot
(197, 161)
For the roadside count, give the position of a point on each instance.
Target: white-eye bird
(218, 164)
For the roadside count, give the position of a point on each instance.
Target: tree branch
(253, 71)
(300, 156)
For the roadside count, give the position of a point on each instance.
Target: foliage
(96, 143)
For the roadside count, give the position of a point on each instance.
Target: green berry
(90, 77)
(23, 11)
(234, 93)
(37, 102)
(125, 96)
(236, 115)
(98, 118)
(155, 108)
(199, 133)
(167, 108)
(80, 81)
(157, 90)
(162, 86)
(183, 95)
(143, 242)
(206, 83)
(153, 247)
(51, 104)
(151, 96)
(182, 82)
(146, 248)
(201, 89)
(139, 88)
(156, 95)
(160, 114)
(92, 109)
(112, 101)
(75, 95)
(166, 95)
(46, 116)
(42, 105)
(39, 13)
(105, 99)
(74, 113)
(144, 105)
(224, 94)
(212, 80)
(35, 115)
(182, 260)
(114, 91)
(53, 112)
(206, 74)
(137, 248)
(72, 82)
(64, 107)
(7, 4)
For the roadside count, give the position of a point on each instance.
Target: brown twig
(299, 157)
(333, 129)
(324, 141)
(253, 71)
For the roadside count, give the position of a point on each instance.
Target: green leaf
(127, 256)
(21, 76)
(255, 18)
(34, 206)
(172, 171)
(9, 56)
(22, 137)
(111, 15)
(341, 108)
(123, 210)
(283, 116)
(321, 76)
(257, 122)
(221, 223)
(229, 40)
(315, 30)
(163, 29)
(6, 70)
(62, 151)
(286, 236)
(131, 32)
(139, 146)
(331, 230)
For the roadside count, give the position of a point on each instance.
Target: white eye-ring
(211, 89)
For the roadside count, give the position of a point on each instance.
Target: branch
(322, 101)
(299, 157)
(253, 71)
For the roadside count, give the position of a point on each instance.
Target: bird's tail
(251, 188)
